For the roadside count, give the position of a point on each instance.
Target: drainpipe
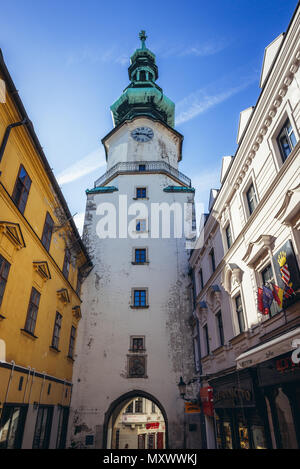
(33, 374)
(9, 381)
(7, 132)
(42, 388)
(28, 378)
(202, 417)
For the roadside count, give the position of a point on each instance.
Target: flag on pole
(264, 299)
(277, 294)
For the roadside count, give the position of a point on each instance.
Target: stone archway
(116, 406)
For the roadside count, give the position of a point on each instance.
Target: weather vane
(143, 37)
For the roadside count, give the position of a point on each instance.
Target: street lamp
(182, 387)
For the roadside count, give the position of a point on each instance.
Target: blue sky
(69, 61)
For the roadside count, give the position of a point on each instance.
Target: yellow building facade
(42, 265)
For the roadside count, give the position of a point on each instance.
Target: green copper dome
(143, 97)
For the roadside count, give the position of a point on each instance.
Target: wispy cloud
(203, 99)
(205, 49)
(86, 165)
(79, 221)
(89, 55)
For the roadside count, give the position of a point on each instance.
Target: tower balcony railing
(150, 167)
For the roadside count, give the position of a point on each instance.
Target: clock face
(142, 134)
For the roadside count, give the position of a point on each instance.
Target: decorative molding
(42, 268)
(286, 201)
(266, 242)
(13, 232)
(63, 295)
(76, 311)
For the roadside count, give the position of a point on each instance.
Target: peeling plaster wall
(108, 321)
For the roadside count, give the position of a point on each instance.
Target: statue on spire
(143, 37)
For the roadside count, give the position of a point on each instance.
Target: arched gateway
(148, 425)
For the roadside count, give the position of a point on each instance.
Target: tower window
(140, 256)
(140, 298)
(141, 225)
(142, 75)
(141, 192)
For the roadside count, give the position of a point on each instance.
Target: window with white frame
(251, 198)
(286, 140)
(239, 313)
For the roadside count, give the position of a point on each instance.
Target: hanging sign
(191, 408)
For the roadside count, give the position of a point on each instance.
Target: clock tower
(135, 339)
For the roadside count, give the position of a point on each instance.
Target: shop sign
(152, 425)
(191, 408)
(278, 370)
(206, 397)
(285, 255)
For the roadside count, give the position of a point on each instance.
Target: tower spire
(143, 37)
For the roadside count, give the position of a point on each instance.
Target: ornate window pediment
(42, 268)
(232, 277)
(76, 310)
(63, 295)
(201, 312)
(258, 248)
(213, 297)
(13, 232)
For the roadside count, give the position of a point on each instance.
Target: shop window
(151, 441)
(42, 430)
(21, 190)
(286, 140)
(12, 426)
(141, 441)
(4, 271)
(285, 421)
(47, 232)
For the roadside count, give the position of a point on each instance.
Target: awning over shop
(271, 349)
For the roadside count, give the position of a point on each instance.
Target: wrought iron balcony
(148, 167)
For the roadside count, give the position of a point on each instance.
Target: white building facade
(252, 242)
(134, 340)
